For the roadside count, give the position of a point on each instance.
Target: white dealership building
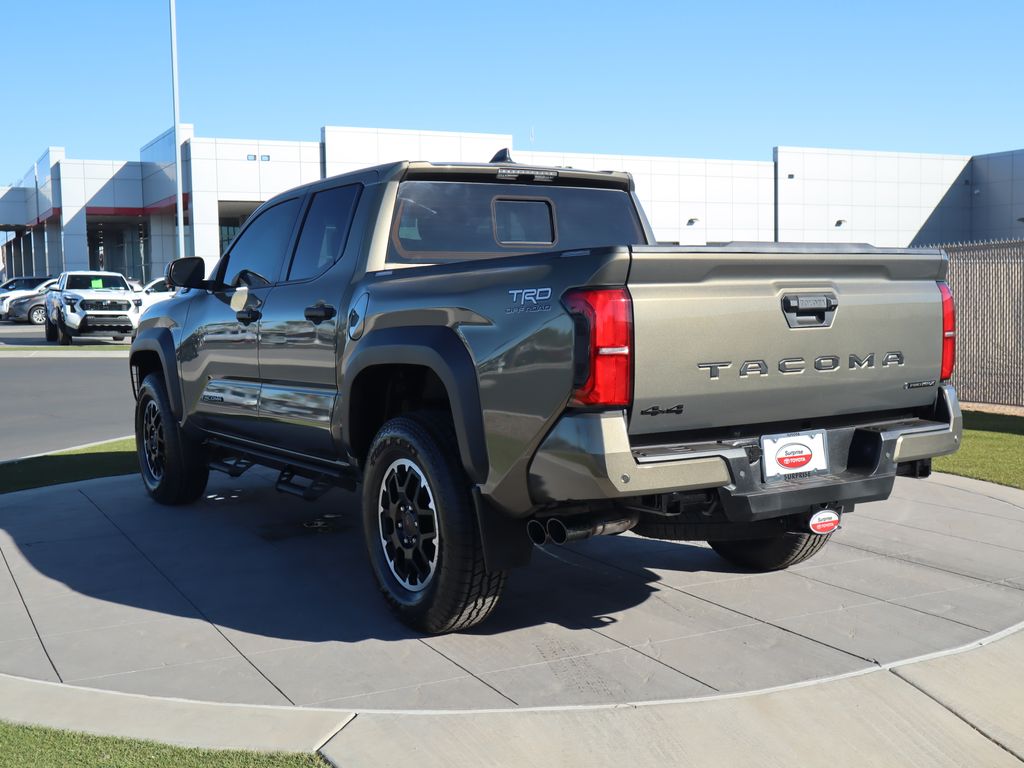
(120, 214)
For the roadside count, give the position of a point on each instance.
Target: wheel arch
(442, 356)
(153, 352)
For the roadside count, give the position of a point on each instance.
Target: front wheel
(173, 466)
(49, 329)
(63, 337)
(421, 530)
(774, 553)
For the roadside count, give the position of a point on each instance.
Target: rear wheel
(37, 315)
(174, 466)
(774, 553)
(421, 530)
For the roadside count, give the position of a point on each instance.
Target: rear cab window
(444, 221)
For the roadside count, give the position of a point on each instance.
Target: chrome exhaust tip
(537, 532)
(557, 531)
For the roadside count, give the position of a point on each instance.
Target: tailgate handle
(809, 310)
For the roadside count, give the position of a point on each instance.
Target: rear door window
(324, 232)
(438, 221)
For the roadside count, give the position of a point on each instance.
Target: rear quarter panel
(521, 345)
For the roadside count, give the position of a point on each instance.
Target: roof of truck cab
(424, 170)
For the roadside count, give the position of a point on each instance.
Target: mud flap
(504, 539)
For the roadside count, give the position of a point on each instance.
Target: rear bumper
(588, 456)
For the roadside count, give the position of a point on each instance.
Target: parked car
(17, 287)
(156, 291)
(91, 304)
(502, 356)
(30, 308)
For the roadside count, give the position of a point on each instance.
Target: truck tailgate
(736, 335)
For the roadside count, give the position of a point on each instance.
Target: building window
(228, 229)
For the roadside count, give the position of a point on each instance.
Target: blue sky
(700, 79)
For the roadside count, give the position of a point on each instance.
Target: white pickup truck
(91, 304)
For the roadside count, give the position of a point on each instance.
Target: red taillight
(603, 355)
(948, 332)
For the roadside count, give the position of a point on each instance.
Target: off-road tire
(460, 592)
(63, 337)
(772, 554)
(49, 330)
(185, 469)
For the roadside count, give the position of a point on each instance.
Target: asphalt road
(24, 335)
(49, 404)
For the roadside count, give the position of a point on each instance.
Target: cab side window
(324, 231)
(258, 252)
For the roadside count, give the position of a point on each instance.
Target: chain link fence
(987, 280)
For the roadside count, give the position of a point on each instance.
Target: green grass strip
(992, 450)
(116, 457)
(23, 746)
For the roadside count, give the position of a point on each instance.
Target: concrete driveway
(253, 597)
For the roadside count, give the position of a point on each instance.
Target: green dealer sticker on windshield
(97, 283)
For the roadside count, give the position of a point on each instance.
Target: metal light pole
(177, 132)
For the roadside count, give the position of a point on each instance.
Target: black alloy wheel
(154, 448)
(174, 465)
(407, 524)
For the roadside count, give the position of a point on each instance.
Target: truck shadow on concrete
(276, 568)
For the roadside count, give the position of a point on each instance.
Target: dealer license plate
(796, 454)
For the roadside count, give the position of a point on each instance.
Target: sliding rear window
(439, 221)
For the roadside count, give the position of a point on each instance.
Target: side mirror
(53, 288)
(189, 272)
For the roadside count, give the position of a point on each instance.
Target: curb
(260, 727)
(43, 355)
(60, 451)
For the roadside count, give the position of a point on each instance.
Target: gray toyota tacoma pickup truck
(502, 356)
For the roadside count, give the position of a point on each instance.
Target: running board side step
(306, 477)
(311, 490)
(233, 466)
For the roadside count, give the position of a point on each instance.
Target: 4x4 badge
(657, 410)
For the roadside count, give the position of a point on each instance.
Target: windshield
(446, 220)
(20, 284)
(96, 283)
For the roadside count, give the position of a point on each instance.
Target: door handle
(803, 310)
(320, 312)
(248, 315)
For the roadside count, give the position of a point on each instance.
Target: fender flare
(160, 341)
(441, 350)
